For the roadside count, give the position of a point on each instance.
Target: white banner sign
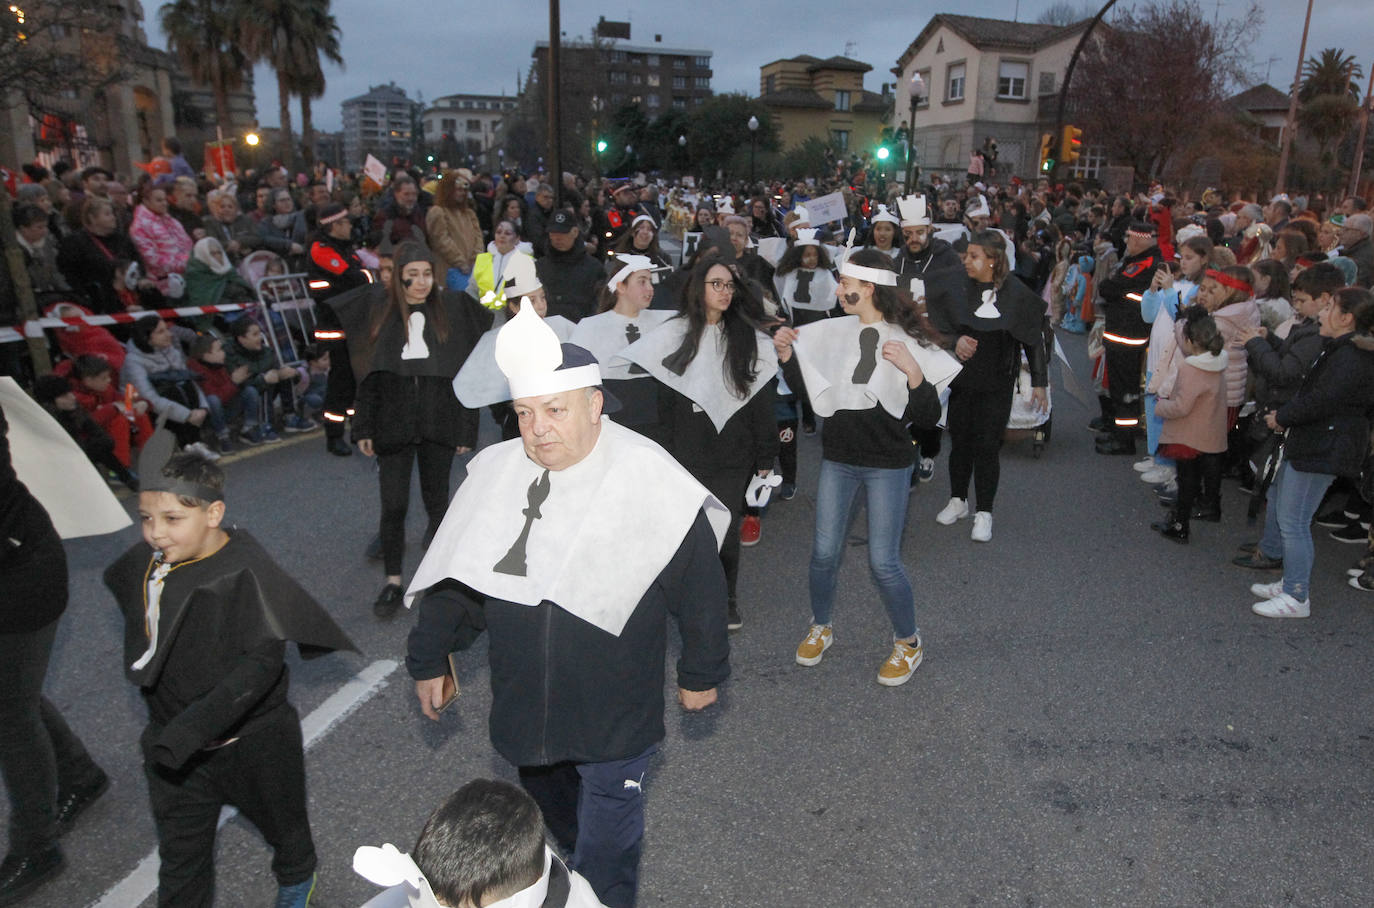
(826, 209)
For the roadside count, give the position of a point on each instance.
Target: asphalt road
(1100, 720)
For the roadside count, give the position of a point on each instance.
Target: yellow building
(807, 96)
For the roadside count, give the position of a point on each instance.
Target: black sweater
(748, 441)
(872, 437)
(1328, 419)
(564, 689)
(33, 566)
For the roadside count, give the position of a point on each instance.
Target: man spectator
(1124, 338)
(576, 573)
(236, 232)
(570, 275)
(317, 196)
(1277, 213)
(1355, 245)
(95, 183)
(40, 254)
(648, 203)
(537, 218)
(401, 219)
(1353, 205)
(184, 205)
(262, 203)
(1121, 219)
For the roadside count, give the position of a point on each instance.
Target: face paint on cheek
(852, 299)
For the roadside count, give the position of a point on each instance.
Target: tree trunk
(288, 144)
(222, 108)
(307, 132)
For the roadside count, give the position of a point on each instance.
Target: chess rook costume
(573, 573)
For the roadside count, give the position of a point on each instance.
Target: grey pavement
(1099, 720)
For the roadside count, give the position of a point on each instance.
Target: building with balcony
(380, 123)
(987, 78)
(466, 129)
(807, 96)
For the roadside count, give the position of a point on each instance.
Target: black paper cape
(1023, 312)
(256, 601)
(354, 311)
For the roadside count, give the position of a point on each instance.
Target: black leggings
(436, 461)
(977, 421)
(729, 486)
(1199, 483)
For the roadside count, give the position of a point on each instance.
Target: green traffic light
(882, 154)
(1048, 166)
(600, 146)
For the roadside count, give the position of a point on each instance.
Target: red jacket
(216, 380)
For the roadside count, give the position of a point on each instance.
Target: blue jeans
(1294, 497)
(221, 414)
(251, 399)
(886, 491)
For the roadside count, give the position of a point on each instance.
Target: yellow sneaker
(817, 641)
(899, 666)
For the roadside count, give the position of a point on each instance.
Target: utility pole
(555, 124)
(1354, 186)
(1291, 123)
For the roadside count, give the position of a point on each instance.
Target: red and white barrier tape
(34, 327)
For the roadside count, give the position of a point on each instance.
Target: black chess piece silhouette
(632, 335)
(803, 291)
(514, 561)
(868, 356)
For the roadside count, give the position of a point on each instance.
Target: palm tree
(318, 38)
(1330, 96)
(203, 34)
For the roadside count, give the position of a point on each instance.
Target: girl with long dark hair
(406, 411)
(717, 368)
(869, 373)
(1001, 317)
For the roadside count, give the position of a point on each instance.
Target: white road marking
(142, 881)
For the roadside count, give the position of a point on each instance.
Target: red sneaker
(750, 530)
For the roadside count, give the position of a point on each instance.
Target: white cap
(520, 275)
(913, 209)
(629, 264)
(886, 216)
(806, 237)
(978, 208)
(530, 356)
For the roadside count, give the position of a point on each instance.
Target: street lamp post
(916, 90)
(753, 136)
(682, 143)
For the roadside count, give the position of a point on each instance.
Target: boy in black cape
(207, 617)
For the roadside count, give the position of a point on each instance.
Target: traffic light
(1046, 160)
(600, 146)
(1070, 144)
(884, 149)
(883, 153)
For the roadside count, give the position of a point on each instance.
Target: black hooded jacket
(570, 281)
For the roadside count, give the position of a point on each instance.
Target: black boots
(1173, 527)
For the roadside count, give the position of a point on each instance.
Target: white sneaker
(1158, 475)
(1168, 487)
(982, 527)
(201, 449)
(1140, 466)
(1283, 606)
(1267, 590)
(957, 509)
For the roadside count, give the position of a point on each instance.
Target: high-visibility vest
(484, 276)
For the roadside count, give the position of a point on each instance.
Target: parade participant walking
(1327, 425)
(1001, 318)
(335, 268)
(406, 412)
(865, 375)
(572, 547)
(207, 615)
(1125, 336)
(884, 234)
(625, 317)
(722, 431)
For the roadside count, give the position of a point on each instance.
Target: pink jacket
(1231, 320)
(1195, 411)
(163, 243)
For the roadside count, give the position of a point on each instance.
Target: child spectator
(484, 846)
(312, 381)
(220, 728)
(123, 416)
(219, 385)
(55, 395)
(262, 383)
(1194, 414)
(1272, 293)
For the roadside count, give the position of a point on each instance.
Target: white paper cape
(823, 285)
(704, 381)
(481, 382)
(830, 351)
(603, 336)
(772, 248)
(609, 525)
(56, 471)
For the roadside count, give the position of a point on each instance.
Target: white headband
(629, 265)
(872, 275)
(544, 384)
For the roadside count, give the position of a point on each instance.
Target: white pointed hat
(531, 357)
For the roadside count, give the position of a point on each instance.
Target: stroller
(286, 310)
(1025, 421)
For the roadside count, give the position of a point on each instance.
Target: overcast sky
(441, 47)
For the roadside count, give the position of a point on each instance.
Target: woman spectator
(1289, 246)
(761, 218)
(211, 278)
(642, 239)
(865, 445)
(284, 231)
(406, 409)
(156, 367)
(488, 269)
(512, 209)
(1000, 319)
(161, 241)
(455, 237)
(1327, 436)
